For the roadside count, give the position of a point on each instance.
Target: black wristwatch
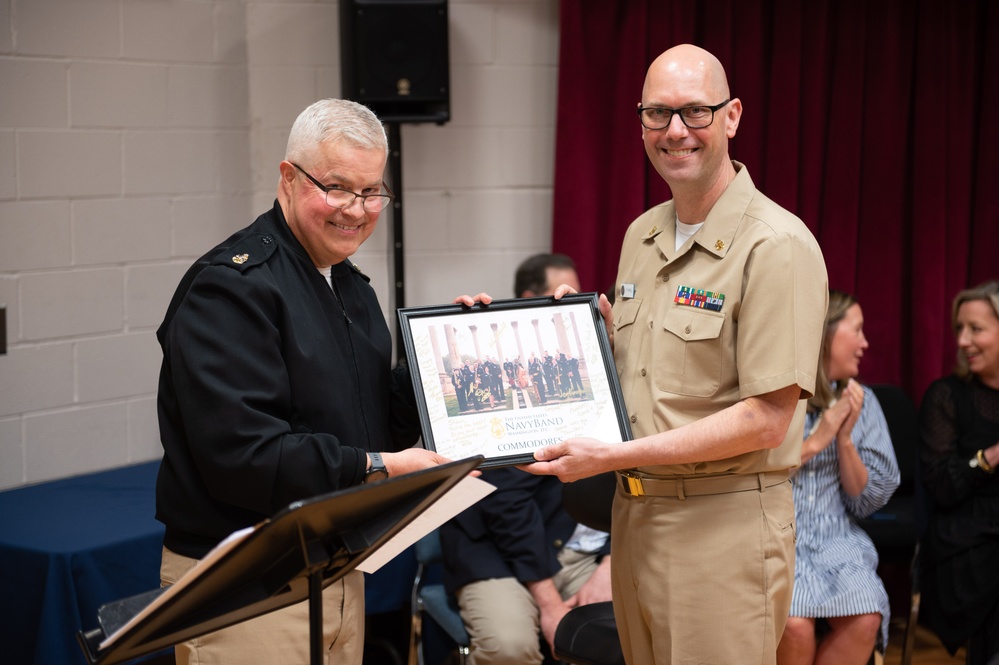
(377, 470)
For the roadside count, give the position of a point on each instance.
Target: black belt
(684, 486)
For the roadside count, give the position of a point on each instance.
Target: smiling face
(328, 234)
(977, 330)
(847, 346)
(690, 158)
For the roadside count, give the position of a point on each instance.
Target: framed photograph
(504, 379)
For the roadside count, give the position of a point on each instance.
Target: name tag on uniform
(627, 291)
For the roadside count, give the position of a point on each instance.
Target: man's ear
(287, 170)
(733, 113)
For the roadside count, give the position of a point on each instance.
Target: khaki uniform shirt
(679, 363)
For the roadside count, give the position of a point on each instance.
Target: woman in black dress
(959, 419)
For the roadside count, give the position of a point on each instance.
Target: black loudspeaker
(394, 58)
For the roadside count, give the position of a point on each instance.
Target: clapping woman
(839, 609)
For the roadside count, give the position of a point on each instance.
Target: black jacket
(270, 391)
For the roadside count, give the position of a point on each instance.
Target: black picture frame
(457, 353)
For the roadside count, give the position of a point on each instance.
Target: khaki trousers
(502, 618)
(281, 636)
(703, 580)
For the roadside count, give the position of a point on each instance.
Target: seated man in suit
(516, 561)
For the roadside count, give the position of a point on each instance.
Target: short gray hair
(332, 120)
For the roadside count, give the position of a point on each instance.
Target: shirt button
(634, 419)
(267, 240)
(687, 330)
(665, 278)
(558, 543)
(643, 371)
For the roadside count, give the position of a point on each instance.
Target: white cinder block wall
(135, 134)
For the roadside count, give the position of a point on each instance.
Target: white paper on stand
(465, 493)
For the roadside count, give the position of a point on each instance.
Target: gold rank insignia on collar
(719, 245)
(653, 231)
(240, 259)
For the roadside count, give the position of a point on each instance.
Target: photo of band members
(540, 369)
(487, 385)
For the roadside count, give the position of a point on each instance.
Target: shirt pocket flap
(625, 312)
(692, 324)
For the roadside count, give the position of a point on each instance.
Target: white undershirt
(327, 272)
(684, 231)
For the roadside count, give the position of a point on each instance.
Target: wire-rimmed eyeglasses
(337, 197)
(694, 117)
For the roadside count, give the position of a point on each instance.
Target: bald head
(694, 161)
(690, 67)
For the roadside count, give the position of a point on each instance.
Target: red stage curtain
(872, 121)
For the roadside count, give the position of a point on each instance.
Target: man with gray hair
(277, 384)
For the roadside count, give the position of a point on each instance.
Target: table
(66, 548)
(69, 546)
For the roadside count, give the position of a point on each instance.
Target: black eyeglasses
(694, 117)
(337, 197)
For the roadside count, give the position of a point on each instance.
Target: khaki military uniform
(704, 552)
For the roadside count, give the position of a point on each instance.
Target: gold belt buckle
(635, 487)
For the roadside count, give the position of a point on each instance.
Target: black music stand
(282, 561)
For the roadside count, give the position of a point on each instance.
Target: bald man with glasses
(717, 323)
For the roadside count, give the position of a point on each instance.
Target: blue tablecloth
(69, 546)
(66, 548)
